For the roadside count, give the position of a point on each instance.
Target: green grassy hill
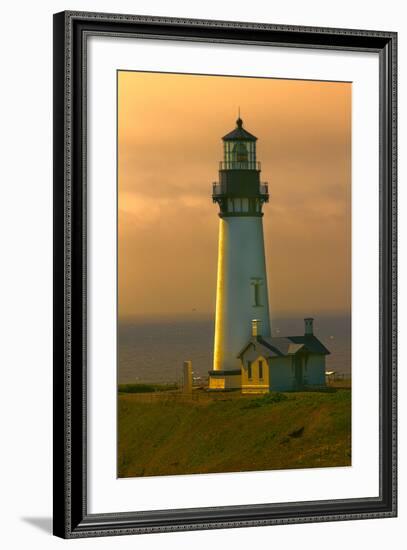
(163, 435)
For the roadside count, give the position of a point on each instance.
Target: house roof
(260, 347)
(239, 133)
(288, 345)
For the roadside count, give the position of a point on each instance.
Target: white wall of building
(241, 260)
(281, 374)
(315, 370)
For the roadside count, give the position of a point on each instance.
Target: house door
(299, 375)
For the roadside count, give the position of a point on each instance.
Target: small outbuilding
(282, 363)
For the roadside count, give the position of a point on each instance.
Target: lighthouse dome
(239, 133)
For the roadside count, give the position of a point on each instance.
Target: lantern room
(239, 191)
(239, 149)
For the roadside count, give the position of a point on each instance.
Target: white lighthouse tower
(242, 294)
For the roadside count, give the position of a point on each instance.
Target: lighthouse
(241, 293)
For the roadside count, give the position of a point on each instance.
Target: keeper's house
(276, 363)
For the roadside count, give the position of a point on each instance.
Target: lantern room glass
(239, 155)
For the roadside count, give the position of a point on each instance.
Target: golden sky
(169, 144)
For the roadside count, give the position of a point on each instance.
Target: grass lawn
(163, 434)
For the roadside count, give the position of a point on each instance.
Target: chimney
(308, 324)
(256, 327)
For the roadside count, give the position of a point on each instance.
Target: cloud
(170, 129)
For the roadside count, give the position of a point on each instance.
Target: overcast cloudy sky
(169, 145)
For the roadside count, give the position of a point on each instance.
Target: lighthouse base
(225, 380)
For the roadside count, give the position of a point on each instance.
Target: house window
(257, 294)
(261, 370)
(249, 370)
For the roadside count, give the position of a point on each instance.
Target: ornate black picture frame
(71, 518)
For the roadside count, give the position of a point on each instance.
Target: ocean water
(153, 349)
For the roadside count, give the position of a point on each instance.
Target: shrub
(136, 388)
(145, 388)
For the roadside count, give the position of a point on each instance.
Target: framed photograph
(224, 274)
